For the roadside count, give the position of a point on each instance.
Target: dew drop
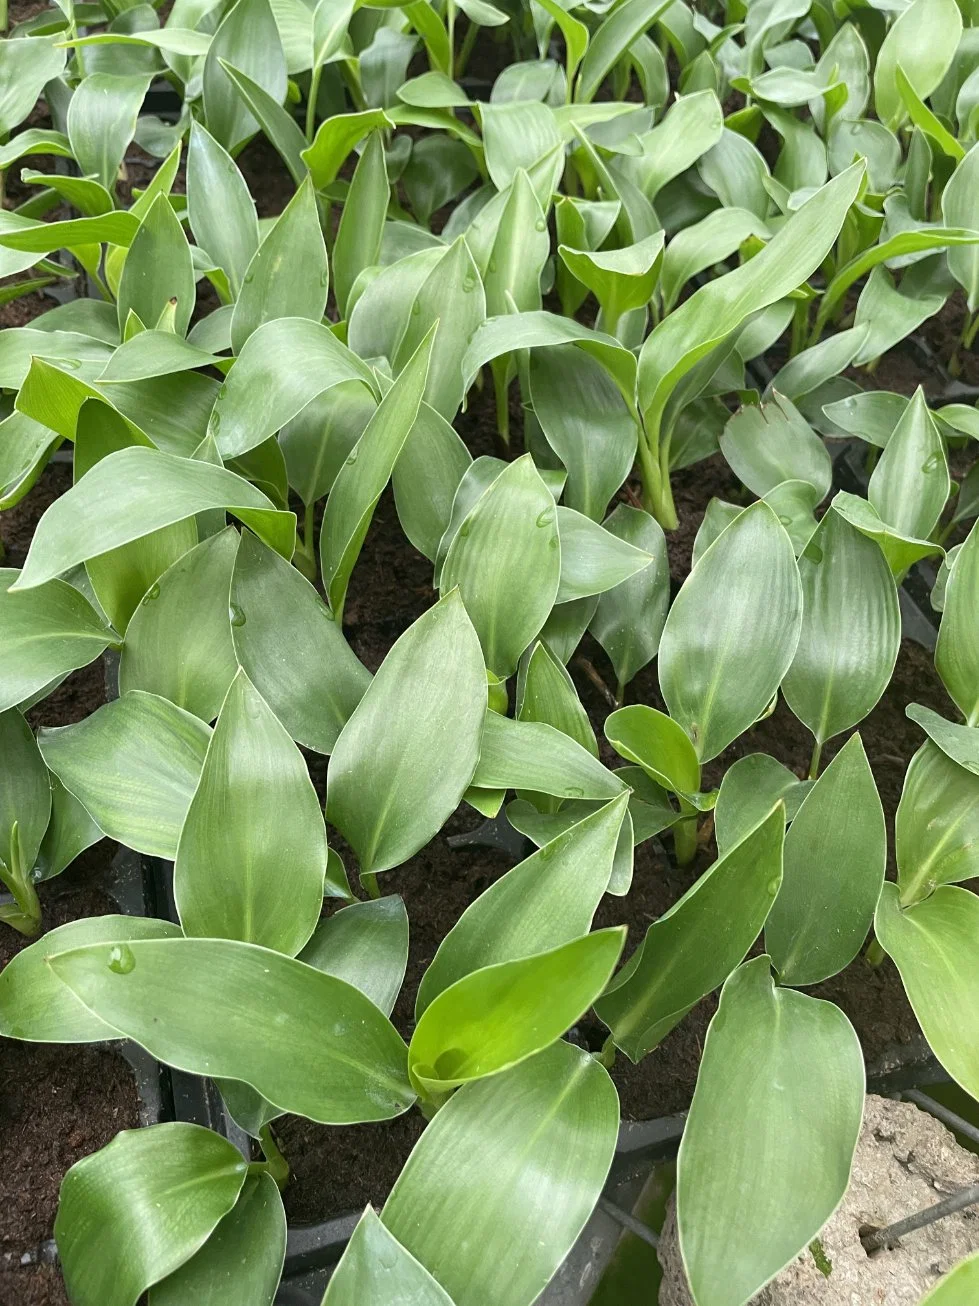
(773, 886)
(814, 554)
(786, 521)
(353, 455)
(540, 224)
(575, 791)
(469, 283)
(465, 528)
(328, 613)
(932, 463)
(324, 278)
(152, 593)
(554, 542)
(545, 517)
(492, 265)
(237, 616)
(215, 420)
(416, 308)
(71, 364)
(121, 959)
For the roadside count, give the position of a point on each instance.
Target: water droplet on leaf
(121, 959)
(237, 616)
(152, 593)
(932, 463)
(545, 517)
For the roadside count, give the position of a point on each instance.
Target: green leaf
(732, 631)
(629, 619)
(593, 559)
(505, 559)
(532, 755)
(201, 1005)
(178, 641)
(957, 651)
(704, 244)
(408, 753)
(367, 470)
(44, 634)
(696, 945)
(516, 135)
(283, 366)
(901, 551)
(545, 902)
(959, 209)
(172, 40)
(101, 121)
(25, 796)
(276, 122)
(158, 271)
(44, 237)
(133, 492)
(252, 851)
(133, 764)
(70, 831)
(314, 692)
(620, 279)
(36, 1006)
(799, 1062)
(221, 210)
(720, 307)
(152, 354)
(248, 40)
(960, 743)
(425, 479)
(365, 944)
(358, 242)
(375, 1267)
(851, 630)
(134, 1212)
(656, 743)
(555, 1115)
(770, 443)
(335, 138)
(548, 694)
(958, 1287)
(835, 853)
(288, 276)
(937, 824)
(613, 38)
(751, 787)
(25, 446)
(922, 42)
(241, 1260)
(26, 65)
(933, 946)
(909, 486)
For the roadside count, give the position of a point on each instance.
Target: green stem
(24, 913)
(450, 27)
(619, 692)
(800, 326)
(314, 93)
(606, 1057)
(502, 390)
(969, 334)
(472, 31)
(875, 954)
(369, 880)
(657, 493)
(817, 752)
(685, 836)
(275, 1163)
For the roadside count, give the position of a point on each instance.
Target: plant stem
(685, 838)
(369, 880)
(24, 913)
(606, 1057)
(657, 493)
(472, 31)
(619, 693)
(276, 1164)
(817, 752)
(450, 27)
(314, 93)
(502, 390)
(875, 954)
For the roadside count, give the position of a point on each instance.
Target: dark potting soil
(57, 1104)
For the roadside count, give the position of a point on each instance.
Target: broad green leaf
(922, 42)
(527, 1149)
(957, 651)
(425, 479)
(241, 1260)
(732, 631)
(629, 619)
(452, 299)
(691, 127)
(534, 756)
(548, 694)
(73, 233)
(283, 366)
(833, 868)
(655, 742)
(26, 65)
(101, 120)
(516, 135)
(37, 1007)
(505, 559)
(408, 753)
(909, 486)
(44, 634)
(25, 446)
(367, 470)
(498, 1016)
(960, 743)
(546, 901)
(315, 690)
(276, 122)
(134, 765)
(703, 244)
(365, 944)
(937, 824)
(613, 38)
(521, 246)
(252, 851)
(586, 423)
(751, 787)
(770, 443)
(798, 1062)
(620, 279)
(178, 641)
(288, 276)
(221, 210)
(33, 140)
(133, 1212)
(901, 551)
(136, 491)
(958, 1287)
(593, 559)
(70, 831)
(696, 945)
(851, 630)
(715, 311)
(375, 1267)
(152, 354)
(358, 241)
(959, 209)
(25, 796)
(248, 40)
(172, 40)
(872, 415)
(158, 272)
(198, 1004)
(933, 946)
(335, 138)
